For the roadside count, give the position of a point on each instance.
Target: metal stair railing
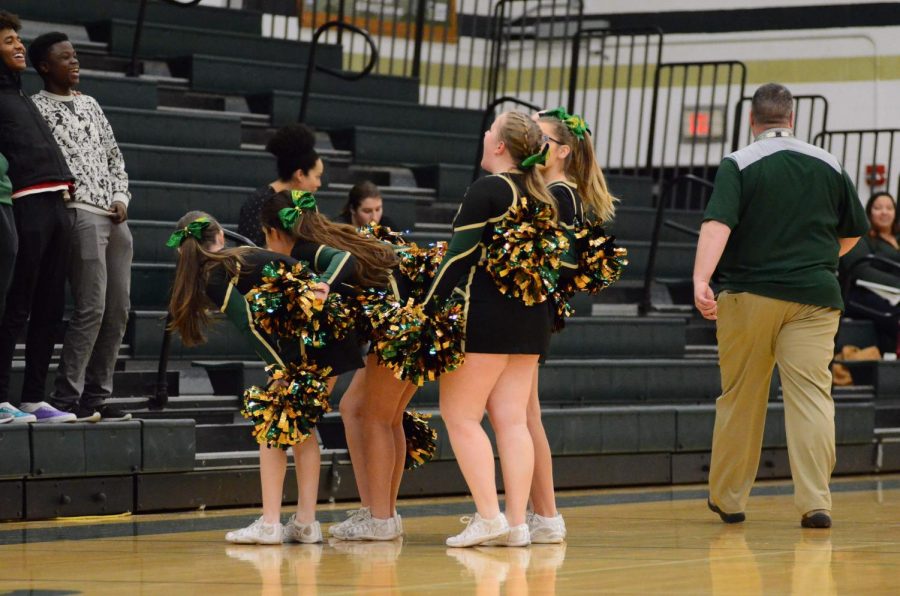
(133, 69)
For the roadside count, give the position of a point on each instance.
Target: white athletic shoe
(479, 530)
(373, 529)
(353, 517)
(546, 530)
(517, 536)
(305, 534)
(399, 521)
(259, 532)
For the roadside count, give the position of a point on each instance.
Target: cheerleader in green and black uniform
(209, 276)
(373, 405)
(505, 334)
(570, 171)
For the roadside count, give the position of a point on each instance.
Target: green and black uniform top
(5, 184)
(571, 217)
(787, 203)
(332, 266)
(495, 323)
(874, 272)
(337, 268)
(229, 296)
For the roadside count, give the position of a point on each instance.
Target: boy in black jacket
(41, 182)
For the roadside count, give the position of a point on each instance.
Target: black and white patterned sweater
(86, 140)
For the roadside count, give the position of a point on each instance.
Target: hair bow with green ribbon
(195, 229)
(303, 201)
(574, 122)
(538, 158)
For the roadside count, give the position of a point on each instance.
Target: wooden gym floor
(654, 540)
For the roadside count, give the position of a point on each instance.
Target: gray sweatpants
(99, 272)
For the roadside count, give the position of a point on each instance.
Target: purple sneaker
(44, 412)
(18, 416)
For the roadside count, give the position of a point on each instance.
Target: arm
(713, 238)
(847, 245)
(468, 229)
(334, 266)
(116, 165)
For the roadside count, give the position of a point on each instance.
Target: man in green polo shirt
(781, 214)
(9, 240)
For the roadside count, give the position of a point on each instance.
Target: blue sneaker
(18, 416)
(45, 413)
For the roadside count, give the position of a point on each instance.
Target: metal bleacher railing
(646, 304)
(867, 155)
(133, 65)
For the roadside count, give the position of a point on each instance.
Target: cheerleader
(569, 171)
(372, 407)
(507, 328)
(208, 276)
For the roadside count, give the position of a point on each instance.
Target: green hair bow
(303, 201)
(538, 158)
(574, 122)
(195, 229)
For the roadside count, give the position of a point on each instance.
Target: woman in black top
(209, 276)
(504, 336)
(372, 407)
(881, 240)
(570, 168)
(299, 168)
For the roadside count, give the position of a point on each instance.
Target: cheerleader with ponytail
(210, 276)
(373, 406)
(576, 181)
(503, 262)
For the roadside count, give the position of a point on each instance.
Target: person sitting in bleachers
(365, 205)
(877, 286)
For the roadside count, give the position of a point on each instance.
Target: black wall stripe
(881, 14)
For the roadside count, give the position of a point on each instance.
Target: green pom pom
(421, 439)
(525, 252)
(600, 261)
(286, 412)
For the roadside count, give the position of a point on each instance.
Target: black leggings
(886, 327)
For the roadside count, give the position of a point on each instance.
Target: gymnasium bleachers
(628, 399)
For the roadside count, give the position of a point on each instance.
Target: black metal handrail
(868, 141)
(486, 116)
(646, 302)
(161, 391)
(311, 65)
(133, 69)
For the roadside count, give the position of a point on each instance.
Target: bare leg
(464, 395)
(542, 498)
(307, 463)
(384, 393)
(351, 407)
(400, 443)
(272, 467)
(507, 405)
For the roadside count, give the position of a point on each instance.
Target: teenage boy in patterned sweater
(99, 265)
(41, 183)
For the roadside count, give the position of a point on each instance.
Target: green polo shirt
(5, 184)
(787, 203)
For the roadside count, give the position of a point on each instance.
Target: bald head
(772, 106)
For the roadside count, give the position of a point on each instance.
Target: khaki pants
(755, 333)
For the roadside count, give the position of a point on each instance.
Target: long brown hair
(189, 303)
(582, 167)
(523, 138)
(373, 257)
